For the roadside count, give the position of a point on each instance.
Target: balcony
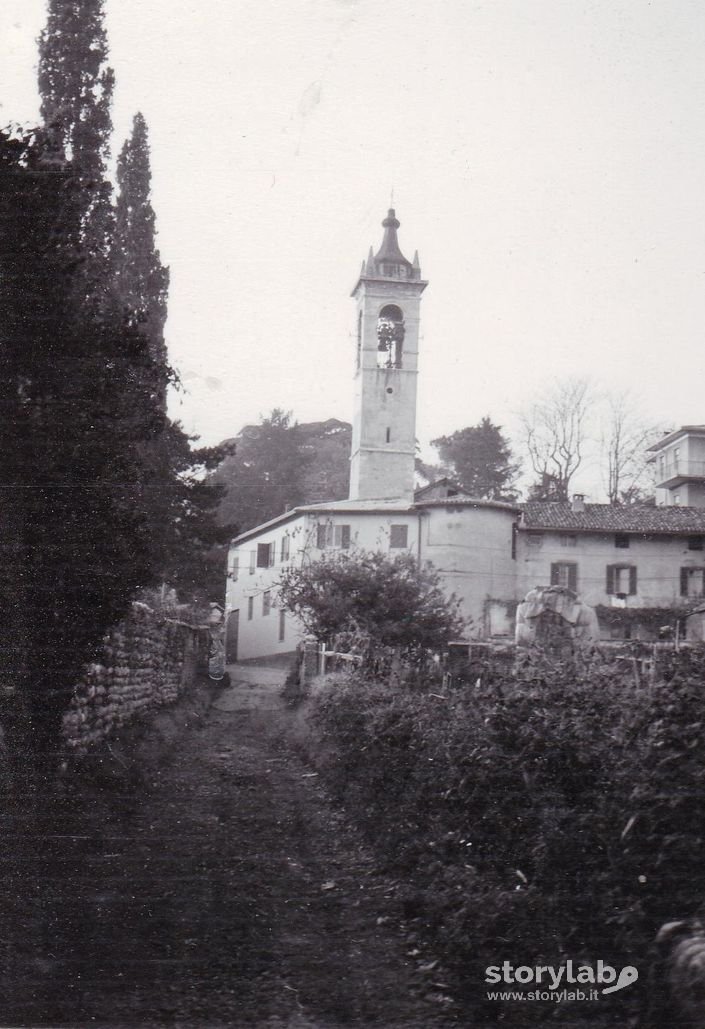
(673, 473)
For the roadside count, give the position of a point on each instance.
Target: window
(333, 536)
(282, 625)
(692, 582)
(266, 602)
(235, 567)
(621, 540)
(569, 541)
(514, 541)
(676, 498)
(250, 608)
(621, 580)
(265, 555)
(565, 573)
(398, 536)
(341, 536)
(695, 543)
(286, 540)
(253, 561)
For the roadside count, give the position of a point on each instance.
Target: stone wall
(145, 663)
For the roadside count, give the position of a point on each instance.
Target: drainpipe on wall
(419, 516)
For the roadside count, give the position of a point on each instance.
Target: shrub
(557, 812)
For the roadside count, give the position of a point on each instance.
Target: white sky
(547, 159)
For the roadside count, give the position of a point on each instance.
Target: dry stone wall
(146, 662)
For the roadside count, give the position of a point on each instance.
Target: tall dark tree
(76, 398)
(480, 460)
(76, 88)
(141, 280)
(102, 494)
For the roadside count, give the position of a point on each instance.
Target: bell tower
(388, 296)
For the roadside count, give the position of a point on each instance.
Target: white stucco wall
(471, 547)
(658, 561)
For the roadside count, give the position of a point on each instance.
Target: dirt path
(228, 892)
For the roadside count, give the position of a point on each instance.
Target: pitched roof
(605, 518)
(467, 501)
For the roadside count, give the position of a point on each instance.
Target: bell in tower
(388, 296)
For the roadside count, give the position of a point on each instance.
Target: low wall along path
(146, 662)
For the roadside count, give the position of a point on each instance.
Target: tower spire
(389, 251)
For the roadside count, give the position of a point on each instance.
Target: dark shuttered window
(621, 580)
(565, 573)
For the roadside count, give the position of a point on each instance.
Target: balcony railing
(679, 469)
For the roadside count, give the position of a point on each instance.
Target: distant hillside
(278, 465)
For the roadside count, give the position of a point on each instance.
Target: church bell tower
(388, 296)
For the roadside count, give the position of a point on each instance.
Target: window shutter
(555, 575)
(632, 580)
(321, 536)
(573, 578)
(684, 582)
(610, 580)
(398, 535)
(345, 537)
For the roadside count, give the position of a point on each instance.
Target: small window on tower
(390, 337)
(389, 435)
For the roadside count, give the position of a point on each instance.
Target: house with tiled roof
(616, 558)
(637, 566)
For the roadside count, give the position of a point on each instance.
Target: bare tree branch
(555, 430)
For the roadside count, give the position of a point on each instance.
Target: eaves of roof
(605, 518)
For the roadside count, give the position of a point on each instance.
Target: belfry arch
(390, 337)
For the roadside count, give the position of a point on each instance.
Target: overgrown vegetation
(550, 813)
(380, 604)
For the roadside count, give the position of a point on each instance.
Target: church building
(488, 553)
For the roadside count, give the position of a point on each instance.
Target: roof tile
(605, 518)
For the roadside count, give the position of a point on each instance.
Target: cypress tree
(76, 398)
(140, 278)
(76, 89)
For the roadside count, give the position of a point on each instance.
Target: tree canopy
(387, 601)
(479, 458)
(279, 464)
(141, 280)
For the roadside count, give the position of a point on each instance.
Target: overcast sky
(547, 159)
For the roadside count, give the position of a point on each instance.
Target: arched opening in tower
(390, 337)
